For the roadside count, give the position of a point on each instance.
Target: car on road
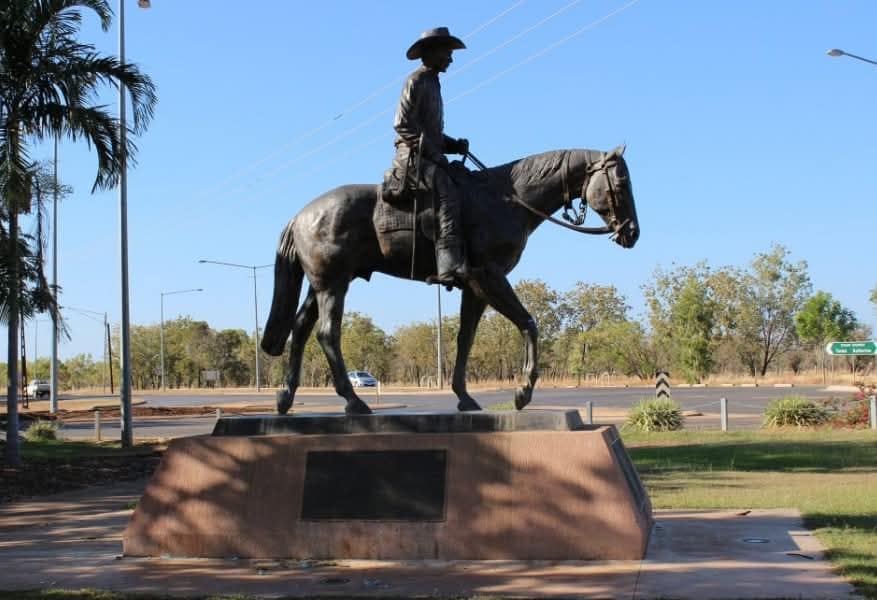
(362, 379)
(39, 388)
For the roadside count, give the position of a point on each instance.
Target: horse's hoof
(357, 407)
(522, 397)
(467, 404)
(284, 402)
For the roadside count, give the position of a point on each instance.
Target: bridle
(574, 218)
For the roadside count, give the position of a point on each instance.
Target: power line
(371, 119)
(493, 20)
(545, 50)
(463, 94)
(340, 115)
(512, 39)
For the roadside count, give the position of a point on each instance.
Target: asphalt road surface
(745, 406)
(689, 398)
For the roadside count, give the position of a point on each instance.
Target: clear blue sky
(740, 130)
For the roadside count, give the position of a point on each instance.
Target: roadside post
(723, 406)
(873, 412)
(662, 384)
(97, 425)
(589, 411)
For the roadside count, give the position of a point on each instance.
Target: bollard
(378, 401)
(589, 412)
(97, 425)
(723, 406)
(873, 412)
(218, 413)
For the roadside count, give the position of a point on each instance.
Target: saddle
(395, 211)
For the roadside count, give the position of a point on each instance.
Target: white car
(362, 379)
(39, 388)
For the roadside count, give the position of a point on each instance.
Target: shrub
(41, 431)
(794, 411)
(651, 414)
(852, 412)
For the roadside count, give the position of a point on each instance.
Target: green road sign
(868, 348)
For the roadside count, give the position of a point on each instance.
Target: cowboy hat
(440, 36)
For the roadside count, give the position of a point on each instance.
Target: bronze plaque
(401, 485)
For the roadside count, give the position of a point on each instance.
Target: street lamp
(838, 52)
(101, 317)
(161, 326)
(53, 374)
(125, 329)
(255, 304)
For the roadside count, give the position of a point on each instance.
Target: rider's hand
(442, 161)
(463, 146)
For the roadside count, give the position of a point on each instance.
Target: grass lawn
(830, 476)
(61, 449)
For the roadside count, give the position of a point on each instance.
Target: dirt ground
(42, 476)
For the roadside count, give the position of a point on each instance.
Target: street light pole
(838, 52)
(125, 328)
(255, 304)
(161, 327)
(53, 376)
(441, 375)
(124, 333)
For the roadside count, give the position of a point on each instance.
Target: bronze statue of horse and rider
(456, 228)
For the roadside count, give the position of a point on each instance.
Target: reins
(614, 230)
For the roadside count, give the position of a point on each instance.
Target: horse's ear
(619, 151)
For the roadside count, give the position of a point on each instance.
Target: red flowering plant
(851, 412)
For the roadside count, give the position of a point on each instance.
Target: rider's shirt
(421, 111)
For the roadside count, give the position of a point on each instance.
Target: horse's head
(608, 192)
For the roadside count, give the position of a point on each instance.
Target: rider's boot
(450, 266)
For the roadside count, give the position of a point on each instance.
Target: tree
(692, 319)
(546, 307)
(414, 352)
(586, 307)
(49, 87)
(225, 356)
(365, 346)
(874, 296)
(497, 352)
(776, 290)
(684, 317)
(822, 319)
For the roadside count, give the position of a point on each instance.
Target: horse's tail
(288, 277)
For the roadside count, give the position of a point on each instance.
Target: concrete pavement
(73, 540)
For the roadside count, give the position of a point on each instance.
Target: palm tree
(49, 84)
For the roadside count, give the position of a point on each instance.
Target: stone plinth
(558, 491)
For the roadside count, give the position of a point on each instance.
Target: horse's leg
(330, 303)
(301, 331)
(471, 309)
(492, 285)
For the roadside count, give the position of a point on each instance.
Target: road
(745, 406)
(689, 398)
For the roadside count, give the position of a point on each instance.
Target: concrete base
(524, 495)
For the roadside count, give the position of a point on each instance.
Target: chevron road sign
(662, 384)
(867, 348)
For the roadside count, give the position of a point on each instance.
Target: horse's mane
(531, 168)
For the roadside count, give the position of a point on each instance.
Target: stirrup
(449, 284)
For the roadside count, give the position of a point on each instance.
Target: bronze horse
(334, 239)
